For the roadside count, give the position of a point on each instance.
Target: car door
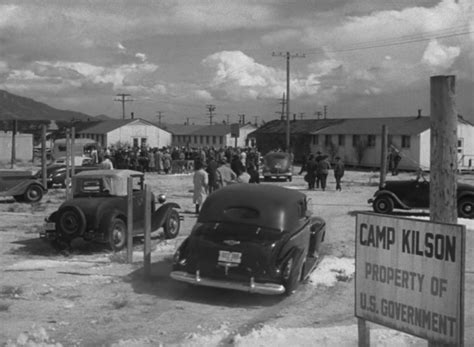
(421, 194)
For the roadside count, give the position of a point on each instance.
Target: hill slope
(18, 107)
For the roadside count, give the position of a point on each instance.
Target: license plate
(230, 257)
(49, 226)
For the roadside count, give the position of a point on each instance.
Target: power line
(123, 100)
(288, 57)
(211, 108)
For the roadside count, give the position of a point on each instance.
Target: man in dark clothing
(338, 172)
(322, 170)
(212, 173)
(310, 169)
(396, 160)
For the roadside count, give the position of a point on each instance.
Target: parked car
(415, 194)
(98, 210)
(253, 238)
(78, 161)
(56, 173)
(22, 185)
(277, 165)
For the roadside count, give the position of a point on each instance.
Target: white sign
(410, 276)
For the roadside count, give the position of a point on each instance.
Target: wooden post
(68, 164)
(443, 163)
(147, 245)
(73, 153)
(443, 154)
(44, 179)
(364, 333)
(130, 220)
(14, 128)
(383, 159)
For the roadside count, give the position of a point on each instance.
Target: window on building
(143, 141)
(207, 140)
(371, 141)
(355, 140)
(390, 140)
(460, 145)
(221, 140)
(341, 140)
(405, 141)
(327, 140)
(195, 139)
(214, 140)
(201, 139)
(315, 139)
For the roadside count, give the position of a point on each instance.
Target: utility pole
(123, 99)
(301, 115)
(242, 119)
(228, 118)
(325, 111)
(318, 114)
(256, 120)
(159, 115)
(211, 108)
(288, 57)
(283, 104)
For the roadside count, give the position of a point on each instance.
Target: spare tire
(71, 222)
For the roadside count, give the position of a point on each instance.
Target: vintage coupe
(415, 194)
(277, 165)
(56, 173)
(22, 185)
(98, 210)
(253, 238)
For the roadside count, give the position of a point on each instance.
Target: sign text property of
(410, 276)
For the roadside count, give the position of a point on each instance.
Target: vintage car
(22, 185)
(277, 165)
(98, 210)
(253, 238)
(56, 173)
(415, 194)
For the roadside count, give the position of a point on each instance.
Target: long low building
(358, 141)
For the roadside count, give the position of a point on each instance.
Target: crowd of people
(317, 170)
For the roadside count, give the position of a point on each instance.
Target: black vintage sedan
(98, 210)
(415, 194)
(277, 165)
(253, 238)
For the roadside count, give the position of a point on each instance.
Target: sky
(359, 58)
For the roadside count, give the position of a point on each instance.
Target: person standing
(225, 175)
(212, 173)
(338, 172)
(106, 164)
(310, 168)
(322, 170)
(200, 183)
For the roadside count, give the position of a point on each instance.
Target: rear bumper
(251, 287)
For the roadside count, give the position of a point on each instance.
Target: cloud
(141, 56)
(120, 46)
(439, 57)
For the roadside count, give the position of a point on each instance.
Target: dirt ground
(92, 297)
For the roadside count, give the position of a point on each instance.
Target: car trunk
(234, 252)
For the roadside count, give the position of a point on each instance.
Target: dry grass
(10, 292)
(119, 303)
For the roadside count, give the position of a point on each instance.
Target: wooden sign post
(130, 220)
(147, 245)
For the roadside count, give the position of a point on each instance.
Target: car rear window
(242, 213)
(91, 186)
(241, 232)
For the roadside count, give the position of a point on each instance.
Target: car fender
(395, 198)
(465, 194)
(159, 216)
(21, 188)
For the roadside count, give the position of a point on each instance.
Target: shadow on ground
(163, 286)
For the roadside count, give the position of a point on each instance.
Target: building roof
(302, 126)
(182, 129)
(206, 130)
(368, 126)
(107, 126)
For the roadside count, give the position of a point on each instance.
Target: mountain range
(15, 107)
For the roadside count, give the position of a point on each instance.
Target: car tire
(294, 273)
(117, 234)
(383, 204)
(71, 223)
(33, 193)
(466, 207)
(172, 225)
